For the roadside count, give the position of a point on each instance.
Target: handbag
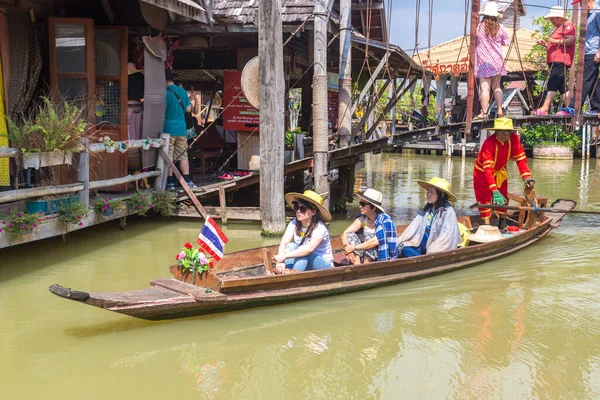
(189, 119)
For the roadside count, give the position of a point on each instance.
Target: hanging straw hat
(503, 124)
(310, 197)
(250, 82)
(374, 197)
(440, 184)
(491, 10)
(156, 46)
(486, 234)
(556, 12)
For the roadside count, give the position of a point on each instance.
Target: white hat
(486, 234)
(491, 10)
(556, 12)
(374, 197)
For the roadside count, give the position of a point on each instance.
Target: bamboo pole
(272, 93)
(471, 75)
(580, 65)
(572, 70)
(345, 78)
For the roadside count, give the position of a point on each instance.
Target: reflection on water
(525, 326)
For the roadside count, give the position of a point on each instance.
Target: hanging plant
(19, 222)
(73, 212)
(140, 203)
(163, 202)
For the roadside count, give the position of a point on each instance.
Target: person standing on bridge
(560, 50)
(490, 178)
(489, 62)
(592, 59)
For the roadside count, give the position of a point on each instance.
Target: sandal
(540, 113)
(480, 116)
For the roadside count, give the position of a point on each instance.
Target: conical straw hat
(486, 234)
(250, 82)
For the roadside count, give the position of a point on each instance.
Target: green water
(523, 327)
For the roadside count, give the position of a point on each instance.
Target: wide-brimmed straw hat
(440, 184)
(250, 82)
(503, 124)
(374, 197)
(490, 10)
(156, 46)
(486, 234)
(312, 198)
(556, 12)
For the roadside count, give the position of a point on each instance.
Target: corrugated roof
(456, 51)
(245, 11)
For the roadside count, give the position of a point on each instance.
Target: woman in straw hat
(489, 61)
(435, 228)
(305, 244)
(372, 235)
(490, 178)
(560, 50)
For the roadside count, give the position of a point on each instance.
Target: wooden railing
(84, 185)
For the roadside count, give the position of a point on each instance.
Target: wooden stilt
(223, 205)
(83, 175)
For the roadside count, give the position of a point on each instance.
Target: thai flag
(212, 239)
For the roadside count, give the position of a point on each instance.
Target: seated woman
(372, 235)
(305, 244)
(435, 228)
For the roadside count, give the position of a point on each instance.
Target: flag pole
(184, 184)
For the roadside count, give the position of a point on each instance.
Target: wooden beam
(369, 83)
(161, 181)
(83, 176)
(471, 73)
(119, 181)
(24, 194)
(222, 204)
(235, 213)
(109, 13)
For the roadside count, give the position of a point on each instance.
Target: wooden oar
(527, 208)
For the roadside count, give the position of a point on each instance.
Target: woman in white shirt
(305, 244)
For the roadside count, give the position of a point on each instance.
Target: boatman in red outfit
(490, 178)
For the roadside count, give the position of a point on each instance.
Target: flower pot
(205, 279)
(146, 146)
(288, 155)
(553, 152)
(122, 150)
(55, 204)
(36, 206)
(108, 212)
(38, 160)
(110, 149)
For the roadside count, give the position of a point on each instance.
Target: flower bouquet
(146, 144)
(123, 146)
(109, 144)
(195, 262)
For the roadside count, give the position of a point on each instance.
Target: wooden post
(580, 65)
(345, 78)
(161, 181)
(471, 75)
(223, 205)
(572, 70)
(271, 87)
(320, 121)
(83, 174)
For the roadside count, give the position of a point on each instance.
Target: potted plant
(163, 202)
(146, 144)
(50, 135)
(123, 146)
(73, 212)
(19, 222)
(107, 207)
(109, 144)
(193, 266)
(550, 142)
(139, 202)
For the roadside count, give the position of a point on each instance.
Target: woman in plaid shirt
(372, 235)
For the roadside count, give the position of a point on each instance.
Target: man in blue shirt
(177, 102)
(592, 59)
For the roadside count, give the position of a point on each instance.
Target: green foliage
(550, 135)
(163, 202)
(289, 136)
(19, 222)
(73, 212)
(139, 202)
(101, 204)
(53, 127)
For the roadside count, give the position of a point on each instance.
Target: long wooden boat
(244, 279)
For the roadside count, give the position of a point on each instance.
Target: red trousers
(483, 194)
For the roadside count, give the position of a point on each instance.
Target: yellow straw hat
(315, 199)
(440, 184)
(503, 124)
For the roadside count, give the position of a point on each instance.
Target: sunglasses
(300, 207)
(363, 204)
